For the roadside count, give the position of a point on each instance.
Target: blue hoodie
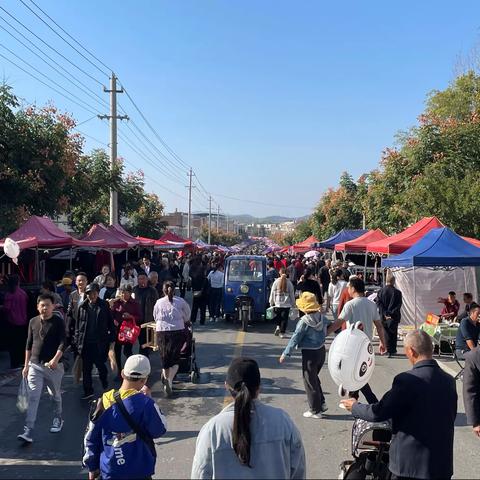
(110, 444)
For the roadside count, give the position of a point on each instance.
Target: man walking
(146, 296)
(119, 440)
(43, 354)
(94, 334)
(361, 309)
(389, 301)
(75, 300)
(422, 405)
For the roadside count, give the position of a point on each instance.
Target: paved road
(327, 441)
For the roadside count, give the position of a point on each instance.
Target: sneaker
(277, 332)
(57, 425)
(26, 436)
(324, 407)
(87, 396)
(309, 414)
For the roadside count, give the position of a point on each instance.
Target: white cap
(137, 366)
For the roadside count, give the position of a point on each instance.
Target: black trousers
(281, 317)
(16, 339)
(127, 351)
(142, 339)
(391, 334)
(370, 397)
(199, 303)
(183, 288)
(215, 302)
(312, 362)
(93, 355)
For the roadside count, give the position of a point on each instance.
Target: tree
(38, 153)
(146, 220)
(221, 237)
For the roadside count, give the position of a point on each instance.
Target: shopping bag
(293, 314)
(77, 369)
(22, 397)
(128, 332)
(270, 313)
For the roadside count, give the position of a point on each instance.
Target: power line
(46, 76)
(56, 33)
(52, 48)
(84, 88)
(263, 203)
(44, 83)
(179, 160)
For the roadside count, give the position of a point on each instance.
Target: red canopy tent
(304, 246)
(120, 232)
(42, 232)
(107, 239)
(146, 242)
(173, 238)
(360, 244)
(402, 241)
(473, 241)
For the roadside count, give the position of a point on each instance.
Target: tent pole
(415, 297)
(37, 267)
(465, 279)
(71, 251)
(365, 267)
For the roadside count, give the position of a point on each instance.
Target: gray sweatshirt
(276, 449)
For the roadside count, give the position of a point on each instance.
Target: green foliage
(221, 237)
(433, 171)
(45, 172)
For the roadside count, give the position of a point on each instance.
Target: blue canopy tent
(340, 237)
(440, 247)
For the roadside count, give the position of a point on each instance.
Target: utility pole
(227, 223)
(218, 218)
(113, 117)
(189, 221)
(209, 219)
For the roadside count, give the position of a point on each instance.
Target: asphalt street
(327, 441)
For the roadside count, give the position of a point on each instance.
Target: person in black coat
(94, 334)
(471, 389)
(309, 284)
(389, 301)
(422, 405)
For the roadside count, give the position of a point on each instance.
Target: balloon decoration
(11, 249)
(351, 360)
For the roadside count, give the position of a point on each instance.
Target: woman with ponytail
(248, 439)
(282, 297)
(171, 314)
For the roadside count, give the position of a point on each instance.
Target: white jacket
(282, 299)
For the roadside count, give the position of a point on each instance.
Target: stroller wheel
(194, 376)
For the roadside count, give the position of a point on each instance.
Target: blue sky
(269, 101)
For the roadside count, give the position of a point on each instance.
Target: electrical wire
(84, 88)
(60, 36)
(52, 48)
(263, 203)
(46, 84)
(47, 77)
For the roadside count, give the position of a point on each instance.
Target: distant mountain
(246, 218)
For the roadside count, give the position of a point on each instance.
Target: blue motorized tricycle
(245, 289)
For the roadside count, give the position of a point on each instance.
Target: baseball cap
(243, 370)
(91, 287)
(137, 366)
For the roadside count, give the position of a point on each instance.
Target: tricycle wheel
(194, 376)
(244, 320)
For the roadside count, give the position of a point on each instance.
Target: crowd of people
(100, 321)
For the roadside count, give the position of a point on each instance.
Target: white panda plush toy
(351, 360)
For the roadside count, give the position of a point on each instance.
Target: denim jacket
(309, 334)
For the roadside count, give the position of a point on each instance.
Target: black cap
(243, 370)
(91, 287)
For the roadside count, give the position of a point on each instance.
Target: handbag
(197, 293)
(141, 433)
(128, 332)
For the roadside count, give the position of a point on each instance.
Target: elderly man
(422, 405)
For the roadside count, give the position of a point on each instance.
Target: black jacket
(422, 405)
(471, 387)
(105, 326)
(389, 301)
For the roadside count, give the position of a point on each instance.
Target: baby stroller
(370, 447)
(188, 361)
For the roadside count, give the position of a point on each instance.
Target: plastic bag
(293, 314)
(270, 313)
(77, 369)
(22, 397)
